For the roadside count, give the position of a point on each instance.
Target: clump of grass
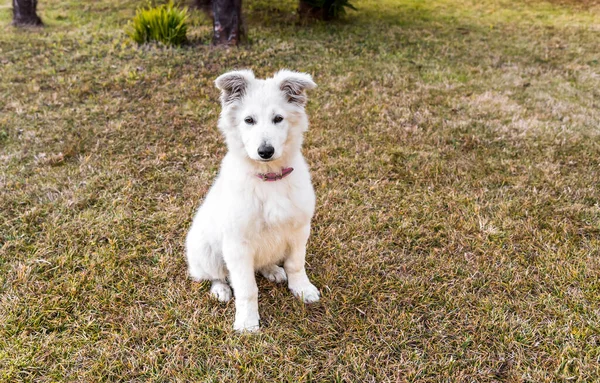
(165, 24)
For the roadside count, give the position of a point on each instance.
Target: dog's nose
(266, 151)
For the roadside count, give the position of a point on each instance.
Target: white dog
(257, 214)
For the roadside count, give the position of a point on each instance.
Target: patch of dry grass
(454, 147)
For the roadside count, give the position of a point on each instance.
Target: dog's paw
(221, 291)
(307, 293)
(274, 273)
(249, 324)
(242, 328)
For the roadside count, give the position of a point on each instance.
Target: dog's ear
(233, 85)
(294, 85)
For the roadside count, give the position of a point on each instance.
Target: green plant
(165, 24)
(337, 8)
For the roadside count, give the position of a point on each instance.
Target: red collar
(275, 176)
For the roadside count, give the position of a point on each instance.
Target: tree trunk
(206, 6)
(307, 10)
(24, 13)
(228, 26)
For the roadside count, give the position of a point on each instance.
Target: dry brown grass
(455, 153)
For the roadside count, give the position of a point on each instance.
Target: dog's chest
(277, 221)
(280, 209)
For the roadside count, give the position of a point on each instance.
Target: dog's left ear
(294, 85)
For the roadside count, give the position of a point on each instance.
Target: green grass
(455, 152)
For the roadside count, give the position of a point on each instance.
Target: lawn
(455, 153)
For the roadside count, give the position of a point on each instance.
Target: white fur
(246, 224)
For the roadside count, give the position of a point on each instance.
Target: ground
(454, 147)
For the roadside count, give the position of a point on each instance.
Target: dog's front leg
(240, 263)
(298, 281)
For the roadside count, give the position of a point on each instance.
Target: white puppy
(257, 214)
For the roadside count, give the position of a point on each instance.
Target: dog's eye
(277, 119)
(249, 120)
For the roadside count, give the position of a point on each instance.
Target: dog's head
(264, 117)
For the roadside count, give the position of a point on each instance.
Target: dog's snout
(265, 151)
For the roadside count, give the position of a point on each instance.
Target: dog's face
(265, 117)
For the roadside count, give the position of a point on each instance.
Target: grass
(455, 151)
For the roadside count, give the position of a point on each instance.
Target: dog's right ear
(233, 85)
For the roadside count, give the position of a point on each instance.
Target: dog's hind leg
(273, 273)
(206, 266)
(220, 290)
(203, 262)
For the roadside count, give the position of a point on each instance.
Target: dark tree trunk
(307, 10)
(206, 6)
(327, 14)
(24, 13)
(228, 26)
